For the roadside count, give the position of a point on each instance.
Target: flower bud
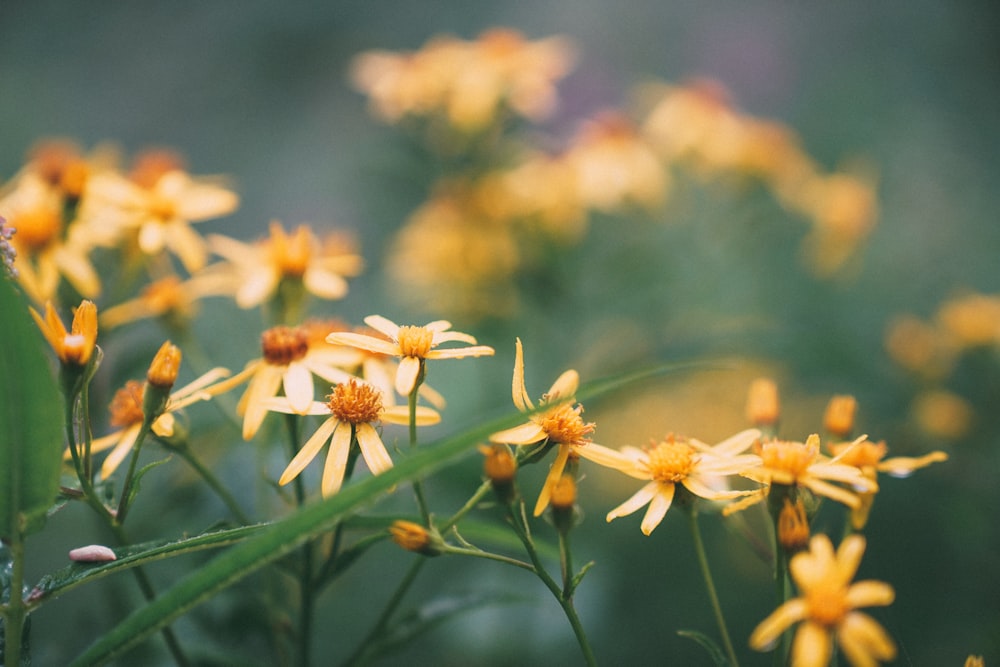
(160, 380)
(563, 502)
(763, 407)
(839, 417)
(414, 537)
(793, 526)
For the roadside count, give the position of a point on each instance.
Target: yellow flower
(161, 215)
(869, 458)
(559, 423)
(827, 608)
(73, 347)
(170, 298)
(299, 256)
(288, 362)
(800, 464)
(690, 463)
(354, 408)
(127, 415)
(413, 344)
(46, 248)
(763, 405)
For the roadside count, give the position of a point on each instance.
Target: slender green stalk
(469, 505)
(478, 553)
(85, 427)
(359, 655)
(418, 487)
(713, 597)
(519, 521)
(213, 482)
(15, 611)
(306, 599)
(123, 502)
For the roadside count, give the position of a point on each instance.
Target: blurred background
(905, 94)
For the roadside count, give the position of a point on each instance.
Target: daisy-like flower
(800, 464)
(354, 408)
(46, 247)
(288, 362)
(827, 608)
(559, 423)
(869, 458)
(298, 256)
(161, 215)
(168, 298)
(413, 344)
(690, 463)
(76, 346)
(127, 415)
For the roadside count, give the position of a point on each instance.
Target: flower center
(563, 425)
(788, 456)
(356, 403)
(161, 208)
(36, 227)
(283, 345)
(827, 605)
(164, 295)
(126, 405)
(671, 461)
(415, 341)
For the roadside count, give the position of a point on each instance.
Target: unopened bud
(500, 468)
(160, 380)
(563, 502)
(793, 526)
(763, 407)
(414, 537)
(839, 417)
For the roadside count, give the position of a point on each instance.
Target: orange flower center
(37, 227)
(671, 461)
(563, 425)
(126, 405)
(788, 456)
(162, 208)
(291, 253)
(283, 345)
(415, 341)
(355, 403)
(827, 604)
(164, 295)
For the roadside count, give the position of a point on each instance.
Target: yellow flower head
(827, 608)
(299, 256)
(561, 424)
(763, 405)
(354, 408)
(73, 347)
(413, 344)
(669, 462)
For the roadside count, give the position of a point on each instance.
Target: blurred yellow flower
(664, 464)
(160, 216)
(943, 414)
(354, 408)
(259, 269)
(46, 247)
(76, 346)
(413, 344)
(168, 298)
(127, 415)
(827, 608)
(560, 424)
(971, 320)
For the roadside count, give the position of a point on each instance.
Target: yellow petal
(309, 450)
(372, 449)
(658, 507)
(369, 343)
(324, 284)
(555, 472)
(525, 434)
(121, 450)
(336, 461)
(520, 394)
(461, 352)
(565, 386)
(406, 375)
(636, 501)
(864, 641)
(298, 384)
(870, 594)
(812, 646)
(383, 325)
(767, 633)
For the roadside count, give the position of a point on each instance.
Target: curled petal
(364, 342)
(565, 386)
(555, 472)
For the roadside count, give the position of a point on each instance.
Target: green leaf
(78, 574)
(285, 535)
(31, 420)
(133, 490)
(717, 655)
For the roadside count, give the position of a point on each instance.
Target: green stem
(519, 521)
(775, 502)
(477, 553)
(469, 505)
(713, 597)
(88, 465)
(123, 502)
(418, 487)
(15, 611)
(213, 482)
(306, 599)
(359, 656)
